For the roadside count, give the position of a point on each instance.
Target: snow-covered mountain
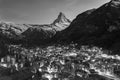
(11, 30)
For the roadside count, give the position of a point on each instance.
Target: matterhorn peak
(61, 19)
(61, 22)
(61, 15)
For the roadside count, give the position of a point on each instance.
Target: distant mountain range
(32, 33)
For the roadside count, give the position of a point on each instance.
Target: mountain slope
(100, 27)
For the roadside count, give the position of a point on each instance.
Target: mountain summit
(61, 19)
(61, 22)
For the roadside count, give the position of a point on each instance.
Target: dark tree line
(3, 48)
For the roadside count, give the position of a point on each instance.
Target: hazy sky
(43, 11)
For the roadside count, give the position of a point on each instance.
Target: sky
(43, 11)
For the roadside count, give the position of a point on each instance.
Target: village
(61, 62)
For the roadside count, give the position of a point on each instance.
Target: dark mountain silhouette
(38, 35)
(100, 27)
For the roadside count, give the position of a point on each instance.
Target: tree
(3, 48)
